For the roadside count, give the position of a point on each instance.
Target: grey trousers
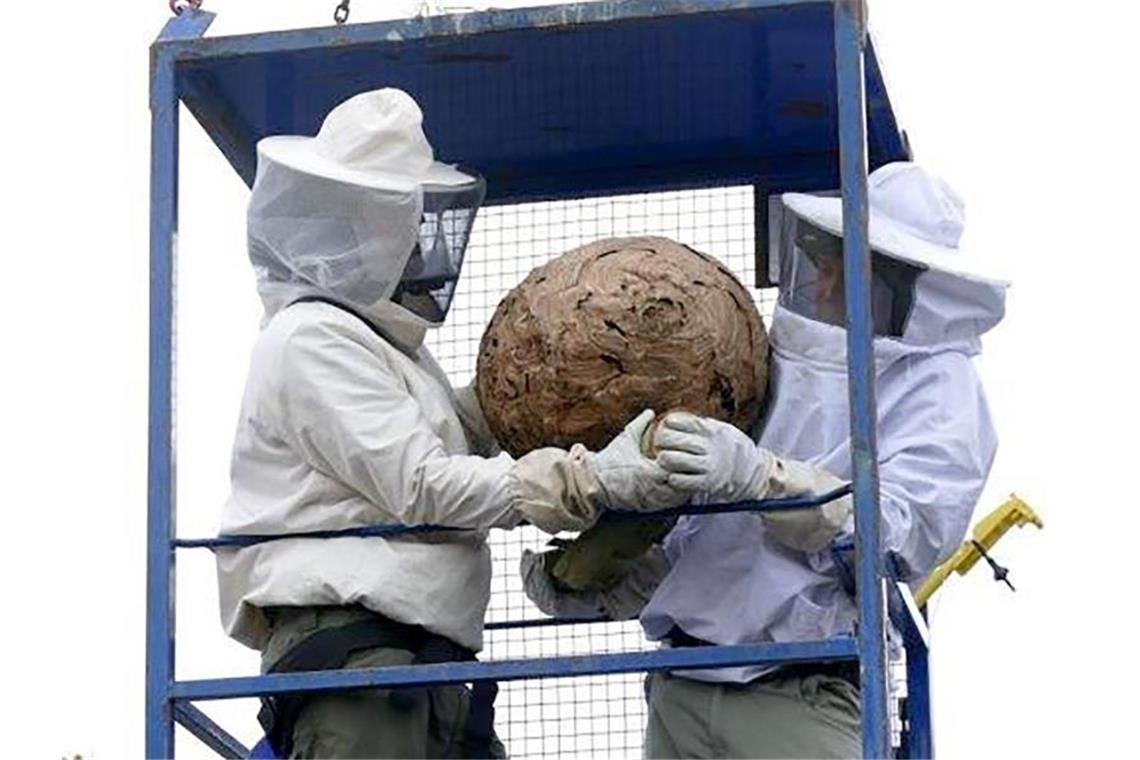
(814, 716)
(370, 723)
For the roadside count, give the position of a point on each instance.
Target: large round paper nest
(590, 339)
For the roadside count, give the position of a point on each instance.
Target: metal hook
(177, 6)
(340, 15)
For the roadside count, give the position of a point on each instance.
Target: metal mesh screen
(597, 716)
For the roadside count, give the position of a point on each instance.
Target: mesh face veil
(812, 284)
(312, 235)
(427, 284)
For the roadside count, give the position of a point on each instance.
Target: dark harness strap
(330, 649)
(349, 310)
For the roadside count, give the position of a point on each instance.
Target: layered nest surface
(590, 339)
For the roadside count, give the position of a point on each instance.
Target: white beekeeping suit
(936, 441)
(357, 237)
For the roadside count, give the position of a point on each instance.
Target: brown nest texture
(590, 339)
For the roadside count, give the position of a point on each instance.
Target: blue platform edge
(564, 101)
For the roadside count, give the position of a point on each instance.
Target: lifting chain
(177, 6)
(340, 15)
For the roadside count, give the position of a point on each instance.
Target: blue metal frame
(910, 622)
(850, 37)
(168, 700)
(160, 448)
(207, 731)
(918, 730)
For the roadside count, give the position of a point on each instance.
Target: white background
(1027, 107)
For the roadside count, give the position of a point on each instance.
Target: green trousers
(814, 716)
(370, 723)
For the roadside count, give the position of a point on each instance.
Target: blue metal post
(850, 37)
(160, 468)
(189, 24)
(918, 735)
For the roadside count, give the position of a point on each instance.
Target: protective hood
(362, 215)
(310, 235)
(913, 216)
(927, 295)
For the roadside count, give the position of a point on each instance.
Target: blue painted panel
(918, 733)
(512, 670)
(656, 96)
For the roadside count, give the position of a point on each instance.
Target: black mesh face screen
(428, 283)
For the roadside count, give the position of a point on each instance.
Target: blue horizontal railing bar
(387, 531)
(842, 648)
(544, 622)
(366, 531)
(207, 731)
(764, 505)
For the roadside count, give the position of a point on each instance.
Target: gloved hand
(560, 490)
(631, 480)
(549, 596)
(599, 557)
(704, 455)
(622, 601)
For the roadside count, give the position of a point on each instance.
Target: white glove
(704, 455)
(559, 490)
(623, 601)
(631, 480)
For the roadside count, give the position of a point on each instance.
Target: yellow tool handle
(1013, 512)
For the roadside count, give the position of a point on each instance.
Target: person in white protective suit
(357, 237)
(746, 578)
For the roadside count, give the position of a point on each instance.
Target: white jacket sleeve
(479, 433)
(940, 444)
(348, 414)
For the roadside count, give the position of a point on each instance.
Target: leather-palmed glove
(598, 557)
(703, 455)
(623, 600)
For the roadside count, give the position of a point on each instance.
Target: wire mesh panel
(597, 716)
(509, 241)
